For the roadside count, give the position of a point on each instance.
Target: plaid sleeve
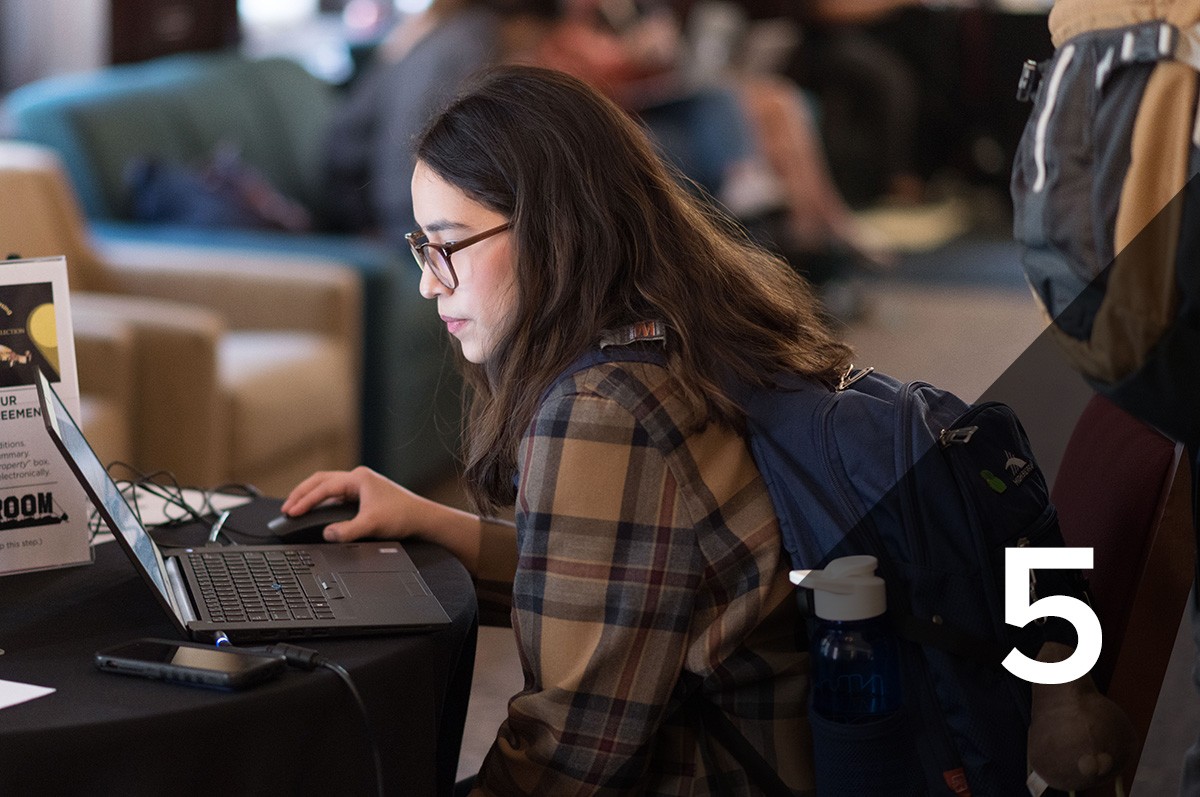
(603, 598)
(494, 576)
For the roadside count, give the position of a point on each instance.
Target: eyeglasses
(436, 257)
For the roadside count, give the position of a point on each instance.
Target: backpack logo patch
(1017, 468)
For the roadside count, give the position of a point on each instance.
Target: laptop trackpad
(367, 585)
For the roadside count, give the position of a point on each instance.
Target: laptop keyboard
(259, 586)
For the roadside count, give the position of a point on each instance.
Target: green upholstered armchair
(244, 367)
(181, 109)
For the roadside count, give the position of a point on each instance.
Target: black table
(107, 734)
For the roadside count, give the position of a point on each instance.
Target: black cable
(165, 486)
(362, 712)
(248, 490)
(307, 659)
(171, 492)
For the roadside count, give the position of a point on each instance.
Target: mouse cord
(306, 659)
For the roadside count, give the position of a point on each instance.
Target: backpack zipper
(940, 744)
(961, 434)
(848, 521)
(986, 556)
(948, 757)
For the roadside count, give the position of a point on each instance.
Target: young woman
(645, 561)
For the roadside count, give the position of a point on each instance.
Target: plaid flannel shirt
(648, 560)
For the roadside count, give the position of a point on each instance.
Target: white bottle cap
(847, 589)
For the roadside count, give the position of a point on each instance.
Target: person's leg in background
(818, 216)
(869, 109)
(706, 136)
(928, 42)
(709, 137)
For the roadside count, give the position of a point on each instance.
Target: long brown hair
(604, 236)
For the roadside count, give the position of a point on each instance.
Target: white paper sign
(43, 510)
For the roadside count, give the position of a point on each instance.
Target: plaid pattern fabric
(649, 559)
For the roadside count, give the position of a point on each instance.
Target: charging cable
(307, 659)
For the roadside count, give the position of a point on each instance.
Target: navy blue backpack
(936, 490)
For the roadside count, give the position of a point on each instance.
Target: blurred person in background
(636, 55)
(415, 72)
(752, 148)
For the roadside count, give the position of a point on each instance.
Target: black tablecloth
(106, 734)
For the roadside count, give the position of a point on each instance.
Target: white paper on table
(155, 511)
(12, 692)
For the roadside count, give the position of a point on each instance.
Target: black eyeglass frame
(450, 247)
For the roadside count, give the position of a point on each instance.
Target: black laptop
(254, 592)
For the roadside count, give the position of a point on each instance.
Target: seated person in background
(635, 58)
(426, 59)
(646, 560)
(889, 73)
(421, 65)
(787, 198)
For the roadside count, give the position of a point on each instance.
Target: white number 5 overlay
(1020, 612)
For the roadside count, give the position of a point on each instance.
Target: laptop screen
(103, 491)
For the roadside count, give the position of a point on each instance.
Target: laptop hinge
(179, 590)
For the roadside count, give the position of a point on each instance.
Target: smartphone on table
(191, 663)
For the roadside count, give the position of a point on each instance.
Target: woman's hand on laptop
(386, 509)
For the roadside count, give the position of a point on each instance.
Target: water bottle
(855, 658)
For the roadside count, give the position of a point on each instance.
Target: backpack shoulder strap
(640, 342)
(620, 354)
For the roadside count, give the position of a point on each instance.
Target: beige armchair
(245, 367)
(104, 353)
